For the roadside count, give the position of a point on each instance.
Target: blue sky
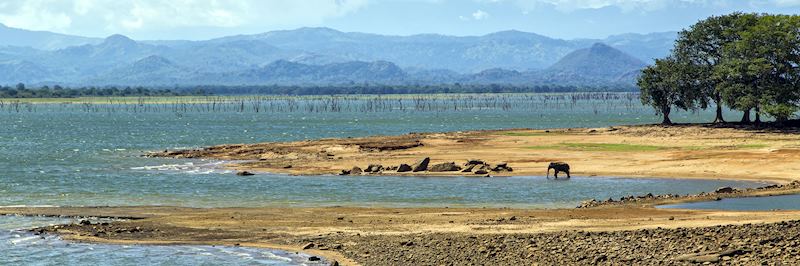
(203, 19)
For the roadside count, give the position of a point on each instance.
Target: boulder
(422, 165)
(481, 172)
(468, 168)
(356, 170)
(502, 167)
(474, 162)
(244, 173)
(345, 172)
(404, 168)
(445, 167)
(725, 190)
(374, 168)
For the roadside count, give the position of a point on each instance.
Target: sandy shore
(631, 232)
(628, 151)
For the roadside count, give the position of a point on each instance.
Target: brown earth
(630, 151)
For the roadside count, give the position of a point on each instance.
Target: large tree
(760, 69)
(701, 48)
(665, 85)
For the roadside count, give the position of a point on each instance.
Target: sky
(205, 19)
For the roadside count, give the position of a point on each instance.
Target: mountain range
(320, 56)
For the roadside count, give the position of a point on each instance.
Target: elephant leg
(556, 174)
(567, 174)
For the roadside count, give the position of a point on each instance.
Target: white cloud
(787, 3)
(131, 16)
(480, 15)
(631, 5)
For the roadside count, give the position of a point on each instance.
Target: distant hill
(323, 55)
(42, 40)
(598, 61)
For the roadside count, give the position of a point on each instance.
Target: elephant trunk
(548, 171)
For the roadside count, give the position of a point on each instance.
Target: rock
(85, 222)
(314, 258)
(445, 167)
(356, 170)
(480, 172)
(345, 172)
(404, 168)
(244, 173)
(308, 246)
(711, 257)
(287, 166)
(422, 165)
(474, 162)
(392, 168)
(374, 168)
(468, 168)
(502, 167)
(724, 190)
(334, 263)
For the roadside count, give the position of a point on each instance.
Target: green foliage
(610, 147)
(20, 91)
(667, 84)
(747, 61)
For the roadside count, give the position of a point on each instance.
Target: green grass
(752, 146)
(612, 147)
(526, 134)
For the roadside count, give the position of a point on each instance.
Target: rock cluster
(748, 244)
(474, 166)
(723, 192)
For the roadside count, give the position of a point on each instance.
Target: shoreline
(495, 235)
(647, 151)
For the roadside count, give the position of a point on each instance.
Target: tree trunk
(665, 112)
(758, 115)
(718, 102)
(746, 117)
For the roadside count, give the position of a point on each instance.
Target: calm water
(783, 202)
(61, 155)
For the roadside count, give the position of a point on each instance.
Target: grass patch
(526, 134)
(613, 147)
(752, 146)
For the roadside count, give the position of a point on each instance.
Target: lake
(84, 155)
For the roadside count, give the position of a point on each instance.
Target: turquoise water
(70, 155)
(783, 202)
(19, 247)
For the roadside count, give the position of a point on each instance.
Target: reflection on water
(783, 202)
(19, 247)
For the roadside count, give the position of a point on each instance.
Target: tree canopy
(745, 61)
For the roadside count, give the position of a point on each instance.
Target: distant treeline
(405, 89)
(20, 91)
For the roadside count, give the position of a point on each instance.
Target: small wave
(189, 168)
(22, 240)
(273, 256)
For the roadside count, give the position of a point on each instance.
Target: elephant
(558, 167)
